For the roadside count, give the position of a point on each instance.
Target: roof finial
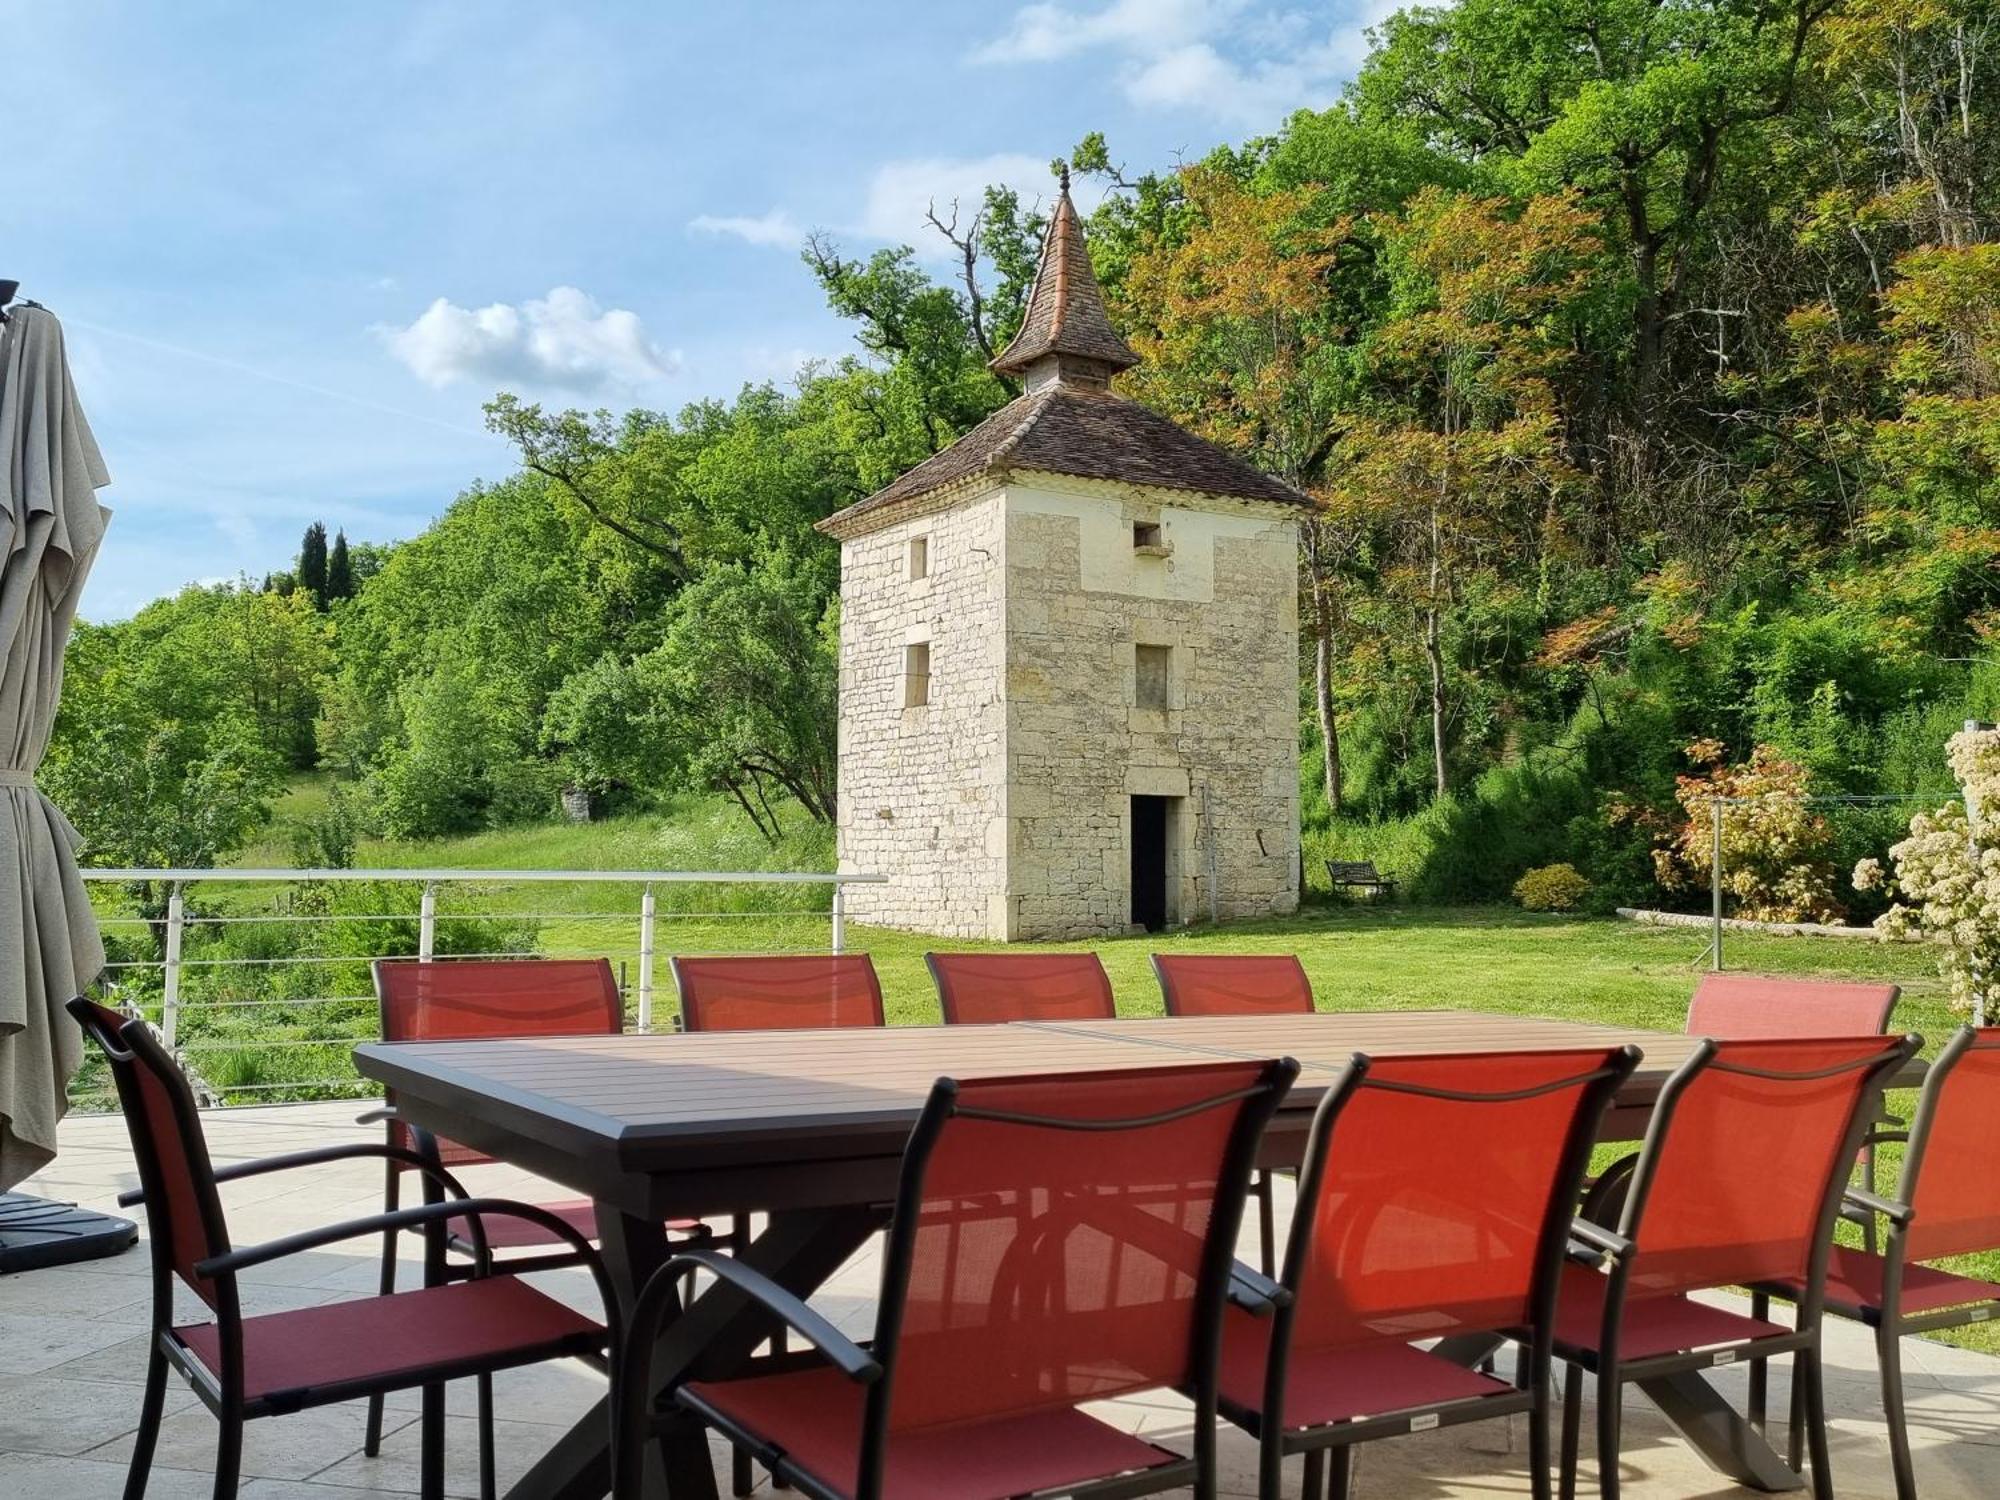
(1062, 176)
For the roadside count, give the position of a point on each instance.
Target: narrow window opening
(1146, 534)
(1155, 665)
(916, 674)
(920, 557)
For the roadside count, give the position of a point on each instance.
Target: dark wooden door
(1149, 862)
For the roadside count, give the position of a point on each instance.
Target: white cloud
(1045, 32)
(1249, 67)
(774, 228)
(562, 340)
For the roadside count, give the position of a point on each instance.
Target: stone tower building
(1069, 659)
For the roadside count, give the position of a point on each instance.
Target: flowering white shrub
(1947, 874)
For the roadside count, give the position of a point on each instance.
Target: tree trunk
(1322, 608)
(1434, 652)
(1329, 730)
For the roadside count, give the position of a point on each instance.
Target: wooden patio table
(807, 1129)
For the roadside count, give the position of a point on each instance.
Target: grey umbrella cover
(51, 525)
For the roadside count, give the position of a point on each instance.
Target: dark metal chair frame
(1622, 1193)
(1888, 1321)
(949, 998)
(133, 1047)
(1278, 1301)
(874, 1365)
(1260, 1185)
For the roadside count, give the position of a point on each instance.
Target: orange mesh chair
(1948, 1204)
(1253, 984)
(980, 989)
(1741, 1007)
(246, 1368)
(778, 992)
(1246, 984)
(460, 1000)
(1395, 1239)
(1056, 1240)
(1739, 1183)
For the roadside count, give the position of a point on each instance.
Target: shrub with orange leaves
(1777, 853)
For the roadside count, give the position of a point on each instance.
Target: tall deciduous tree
(1460, 455)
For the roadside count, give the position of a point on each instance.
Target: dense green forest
(1643, 355)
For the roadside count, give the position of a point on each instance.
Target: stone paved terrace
(72, 1354)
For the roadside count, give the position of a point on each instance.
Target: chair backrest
(1948, 1174)
(1396, 1239)
(183, 1210)
(1741, 1007)
(1749, 1149)
(1246, 984)
(462, 1000)
(778, 992)
(1065, 1238)
(978, 989)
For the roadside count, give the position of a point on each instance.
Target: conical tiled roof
(1068, 420)
(1065, 306)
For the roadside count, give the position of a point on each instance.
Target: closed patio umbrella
(50, 526)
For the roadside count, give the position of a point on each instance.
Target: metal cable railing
(267, 1002)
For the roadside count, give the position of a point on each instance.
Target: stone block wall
(922, 790)
(1221, 592)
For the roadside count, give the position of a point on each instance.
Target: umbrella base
(35, 1232)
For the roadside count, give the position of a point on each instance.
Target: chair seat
(1342, 1385)
(317, 1354)
(507, 1232)
(1854, 1287)
(815, 1418)
(1652, 1326)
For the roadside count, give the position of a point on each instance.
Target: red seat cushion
(1854, 1286)
(507, 1232)
(814, 1416)
(1340, 1385)
(1652, 1325)
(388, 1341)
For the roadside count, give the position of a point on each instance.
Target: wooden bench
(1342, 874)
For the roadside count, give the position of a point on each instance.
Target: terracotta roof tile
(1065, 312)
(1088, 433)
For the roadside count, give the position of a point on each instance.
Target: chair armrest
(1873, 1203)
(846, 1356)
(1256, 1293)
(246, 1256)
(378, 1115)
(316, 1157)
(1596, 1243)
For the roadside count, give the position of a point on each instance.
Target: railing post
(1715, 883)
(839, 917)
(427, 922)
(170, 992)
(649, 909)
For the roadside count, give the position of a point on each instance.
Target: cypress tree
(339, 570)
(312, 563)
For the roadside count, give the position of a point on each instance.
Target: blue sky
(296, 246)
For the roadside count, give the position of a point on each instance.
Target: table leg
(717, 1332)
(1726, 1442)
